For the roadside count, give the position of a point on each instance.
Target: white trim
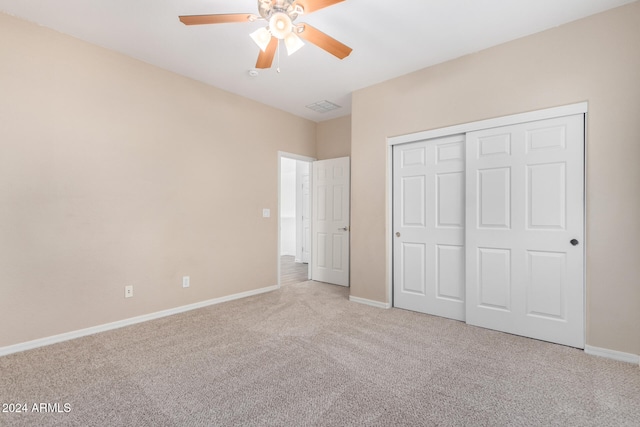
(389, 226)
(376, 304)
(549, 113)
(295, 157)
(585, 235)
(126, 322)
(612, 354)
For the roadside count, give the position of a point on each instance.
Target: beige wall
(114, 173)
(596, 59)
(333, 138)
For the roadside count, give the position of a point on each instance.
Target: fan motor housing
(267, 8)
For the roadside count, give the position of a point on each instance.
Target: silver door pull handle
(397, 234)
(343, 229)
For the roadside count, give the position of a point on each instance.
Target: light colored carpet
(305, 355)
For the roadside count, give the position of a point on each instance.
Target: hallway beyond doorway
(292, 272)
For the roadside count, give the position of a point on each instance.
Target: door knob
(574, 242)
(397, 234)
(343, 229)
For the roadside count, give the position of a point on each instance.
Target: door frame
(310, 160)
(549, 113)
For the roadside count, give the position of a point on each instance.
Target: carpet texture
(304, 355)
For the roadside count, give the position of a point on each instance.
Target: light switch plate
(266, 213)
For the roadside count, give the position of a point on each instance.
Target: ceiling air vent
(323, 106)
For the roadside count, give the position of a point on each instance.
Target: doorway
(294, 224)
(313, 219)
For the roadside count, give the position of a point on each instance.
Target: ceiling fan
(280, 15)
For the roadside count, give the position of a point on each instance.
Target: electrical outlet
(128, 291)
(185, 281)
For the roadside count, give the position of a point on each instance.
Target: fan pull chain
(278, 49)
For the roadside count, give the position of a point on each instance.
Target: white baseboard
(612, 354)
(126, 322)
(372, 303)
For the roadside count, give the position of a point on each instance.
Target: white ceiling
(389, 39)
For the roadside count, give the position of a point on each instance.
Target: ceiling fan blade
(323, 41)
(215, 19)
(313, 5)
(265, 59)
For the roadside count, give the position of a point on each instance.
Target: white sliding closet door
(524, 229)
(428, 226)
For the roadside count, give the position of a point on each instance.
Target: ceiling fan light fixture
(280, 25)
(262, 37)
(293, 43)
(279, 16)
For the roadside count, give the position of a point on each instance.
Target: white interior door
(525, 229)
(428, 226)
(330, 231)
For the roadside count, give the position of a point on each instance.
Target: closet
(488, 227)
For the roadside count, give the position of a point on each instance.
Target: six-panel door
(525, 205)
(330, 254)
(429, 227)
